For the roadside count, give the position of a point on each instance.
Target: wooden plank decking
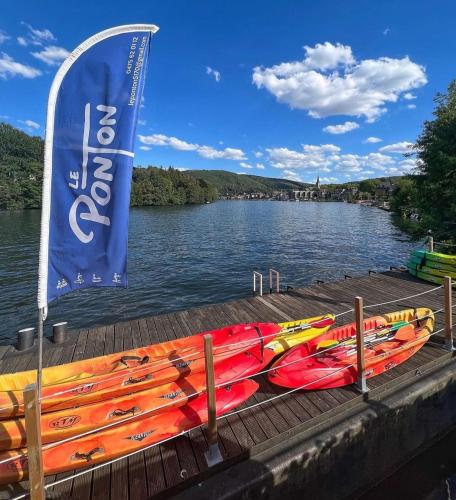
(163, 469)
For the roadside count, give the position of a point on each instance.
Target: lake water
(181, 257)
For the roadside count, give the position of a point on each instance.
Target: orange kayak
(330, 360)
(70, 422)
(114, 375)
(118, 441)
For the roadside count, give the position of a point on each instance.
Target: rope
(441, 243)
(403, 298)
(114, 460)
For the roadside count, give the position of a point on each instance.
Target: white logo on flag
(79, 280)
(62, 283)
(99, 192)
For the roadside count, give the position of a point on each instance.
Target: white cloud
(3, 37)
(181, 169)
(154, 140)
(342, 128)
(52, 55)
(311, 157)
(30, 123)
(291, 175)
(205, 151)
(245, 165)
(224, 154)
(37, 37)
(386, 31)
(328, 180)
(258, 154)
(328, 158)
(411, 106)
(145, 148)
(330, 82)
(10, 68)
(22, 41)
(328, 56)
(259, 166)
(372, 140)
(213, 72)
(409, 96)
(142, 122)
(176, 143)
(398, 147)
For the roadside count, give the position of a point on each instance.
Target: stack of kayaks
(144, 395)
(432, 266)
(330, 360)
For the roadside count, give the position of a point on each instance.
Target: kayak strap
(120, 413)
(140, 360)
(257, 329)
(133, 380)
(87, 456)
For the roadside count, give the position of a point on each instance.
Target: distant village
(380, 198)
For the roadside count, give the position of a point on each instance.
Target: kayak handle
(140, 360)
(120, 413)
(87, 456)
(132, 380)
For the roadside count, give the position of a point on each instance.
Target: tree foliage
(21, 175)
(156, 186)
(431, 191)
(21, 169)
(369, 185)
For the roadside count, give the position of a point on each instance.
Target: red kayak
(112, 443)
(329, 360)
(73, 421)
(114, 375)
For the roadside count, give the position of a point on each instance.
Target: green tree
(436, 171)
(369, 186)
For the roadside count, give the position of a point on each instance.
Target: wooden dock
(166, 469)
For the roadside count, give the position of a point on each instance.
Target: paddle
(306, 326)
(404, 331)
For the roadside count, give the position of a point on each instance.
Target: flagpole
(39, 373)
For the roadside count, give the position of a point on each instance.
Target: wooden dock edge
(346, 451)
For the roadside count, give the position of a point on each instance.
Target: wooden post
(448, 290)
(213, 455)
(360, 365)
(430, 243)
(32, 409)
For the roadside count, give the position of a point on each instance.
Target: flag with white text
(90, 134)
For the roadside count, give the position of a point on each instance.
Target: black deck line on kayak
(247, 439)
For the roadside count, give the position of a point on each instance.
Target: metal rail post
(430, 243)
(213, 455)
(360, 364)
(32, 409)
(260, 276)
(448, 290)
(277, 275)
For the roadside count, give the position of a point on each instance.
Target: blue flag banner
(90, 134)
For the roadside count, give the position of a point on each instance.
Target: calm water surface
(181, 257)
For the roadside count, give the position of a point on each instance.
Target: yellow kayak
(297, 332)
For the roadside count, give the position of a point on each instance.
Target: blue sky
(277, 88)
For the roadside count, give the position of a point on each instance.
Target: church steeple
(317, 184)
